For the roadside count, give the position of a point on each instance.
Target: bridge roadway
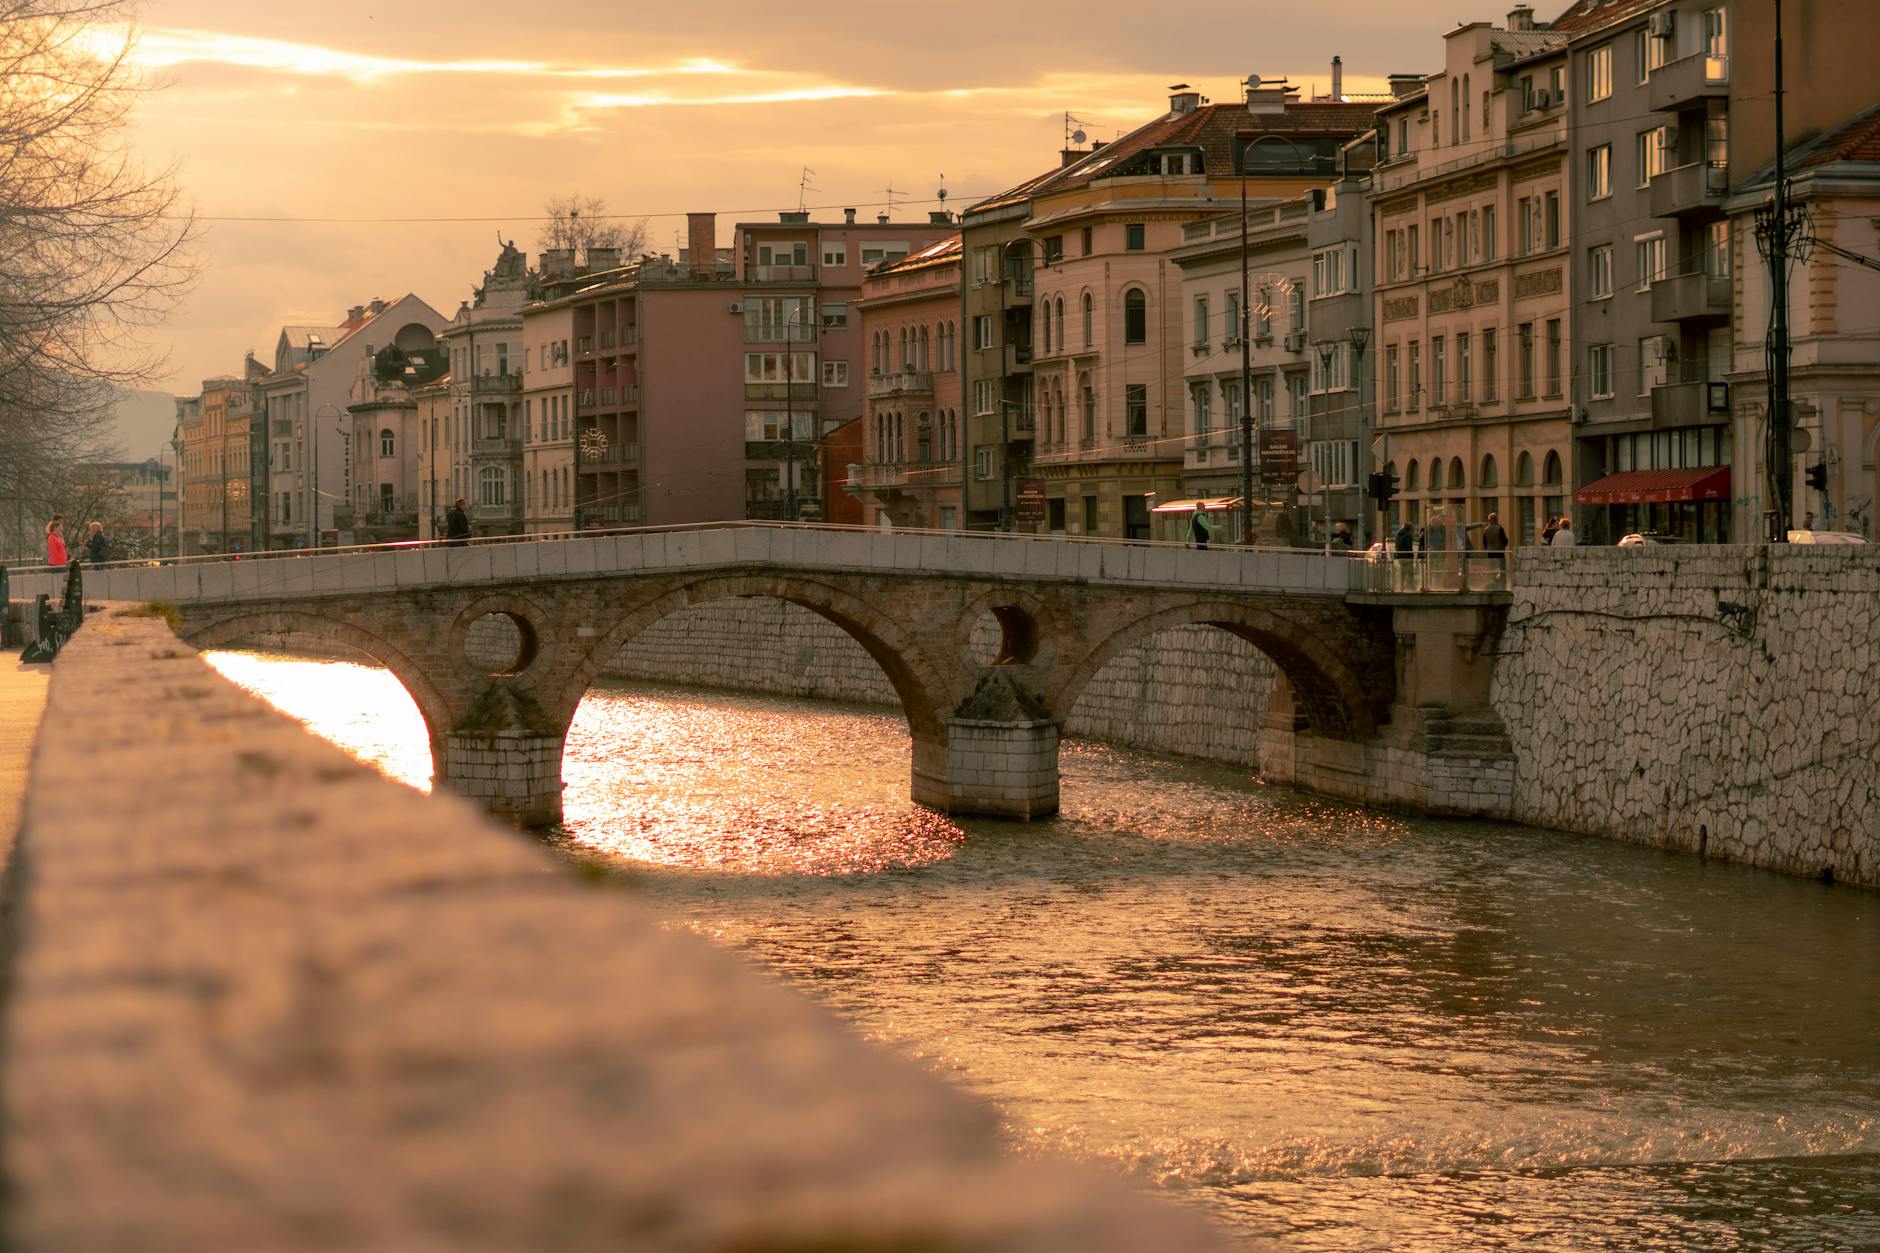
(984, 736)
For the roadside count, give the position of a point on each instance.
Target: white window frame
(1599, 74)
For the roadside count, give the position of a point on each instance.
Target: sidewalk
(22, 701)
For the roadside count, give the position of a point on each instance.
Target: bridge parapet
(220, 924)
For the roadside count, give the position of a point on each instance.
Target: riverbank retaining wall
(1717, 700)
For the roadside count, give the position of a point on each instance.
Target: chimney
(1338, 78)
(355, 313)
(701, 231)
(939, 217)
(1402, 85)
(848, 215)
(882, 219)
(1521, 17)
(558, 261)
(794, 217)
(1183, 99)
(602, 259)
(376, 307)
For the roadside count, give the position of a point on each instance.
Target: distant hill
(144, 420)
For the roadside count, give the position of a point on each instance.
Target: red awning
(1657, 487)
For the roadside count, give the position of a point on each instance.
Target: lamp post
(1360, 337)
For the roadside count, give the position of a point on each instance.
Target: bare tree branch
(582, 222)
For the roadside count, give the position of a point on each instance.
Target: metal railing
(1435, 574)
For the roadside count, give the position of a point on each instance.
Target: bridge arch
(1329, 689)
(431, 704)
(922, 690)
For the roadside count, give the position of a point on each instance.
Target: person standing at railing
(457, 525)
(1494, 538)
(1198, 529)
(1406, 542)
(97, 547)
(55, 542)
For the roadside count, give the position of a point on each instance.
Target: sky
(365, 111)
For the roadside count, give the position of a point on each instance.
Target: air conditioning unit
(1664, 23)
(736, 306)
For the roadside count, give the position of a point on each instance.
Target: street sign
(1028, 502)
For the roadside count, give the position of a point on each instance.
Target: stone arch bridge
(984, 731)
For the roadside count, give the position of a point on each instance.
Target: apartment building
(1471, 202)
(1277, 357)
(482, 447)
(388, 500)
(1339, 425)
(1091, 368)
(911, 466)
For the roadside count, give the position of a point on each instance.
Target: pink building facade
(912, 463)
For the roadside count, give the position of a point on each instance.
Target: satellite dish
(943, 195)
(1078, 137)
(1253, 82)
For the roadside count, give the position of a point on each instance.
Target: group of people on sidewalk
(97, 546)
(1488, 537)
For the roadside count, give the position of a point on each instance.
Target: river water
(1333, 1028)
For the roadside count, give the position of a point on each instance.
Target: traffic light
(1817, 476)
(1381, 487)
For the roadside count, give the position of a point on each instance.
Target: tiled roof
(1857, 139)
(1211, 128)
(938, 253)
(1584, 16)
(1525, 43)
(300, 336)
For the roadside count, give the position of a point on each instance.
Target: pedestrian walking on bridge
(97, 547)
(55, 542)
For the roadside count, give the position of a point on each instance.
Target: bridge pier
(515, 775)
(999, 758)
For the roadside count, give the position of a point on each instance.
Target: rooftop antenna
(1074, 130)
(803, 189)
(892, 193)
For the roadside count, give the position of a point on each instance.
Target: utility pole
(1774, 229)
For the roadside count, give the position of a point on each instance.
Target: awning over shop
(1657, 487)
(1205, 505)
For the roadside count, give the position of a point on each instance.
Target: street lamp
(1360, 337)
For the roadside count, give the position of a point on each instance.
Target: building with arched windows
(912, 457)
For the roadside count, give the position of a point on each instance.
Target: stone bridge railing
(261, 998)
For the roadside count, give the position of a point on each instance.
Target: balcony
(901, 383)
(1687, 82)
(779, 273)
(1694, 190)
(1691, 298)
(1018, 286)
(495, 384)
(1690, 404)
(1017, 355)
(495, 446)
(612, 457)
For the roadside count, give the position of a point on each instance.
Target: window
(1525, 361)
(1263, 400)
(1136, 408)
(1488, 232)
(1411, 248)
(1296, 298)
(1553, 356)
(985, 396)
(835, 317)
(1328, 272)
(1717, 251)
(1599, 73)
(1416, 376)
(1053, 246)
(1439, 370)
(1390, 379)
(1599, 172)
(1524, 209)
(1203, 396)
(1263, 314)
(835, 374)
(1231, 321)
(1088, 241)
(492, 486)
(1651, 260)
(1599, 371)
(1716, 46)
(1464, 384)
(1599, 271)
(1649, 150)
(778, 367)
(773, 319)
(985, 264)
(1201, 320)
(1552, 203)
(1090, 321)
(387, 444)
(1296, 394)
(1641, 55)
(983, 333)
(1135, 237)
(1654, 363)
(835, 254)
(1135, 317)
(1491, 364)
(982, 463)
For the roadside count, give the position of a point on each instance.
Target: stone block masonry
(1722, 701)
(262, 998)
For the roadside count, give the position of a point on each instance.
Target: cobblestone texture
(263, 999)
(1713, 700)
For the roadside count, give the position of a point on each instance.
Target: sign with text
(1279, 457)
(1028, 501)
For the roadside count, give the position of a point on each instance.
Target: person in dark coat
(97, 547)
(1406, 540)
(456, 525)
(1494, 537)
(1199, 530)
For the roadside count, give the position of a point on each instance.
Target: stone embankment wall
(1716, 700)
(1197, 691)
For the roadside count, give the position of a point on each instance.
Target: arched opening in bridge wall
(344, 683)
(1333, 699)
(1196, 690)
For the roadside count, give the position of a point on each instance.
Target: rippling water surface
(1337, 1028)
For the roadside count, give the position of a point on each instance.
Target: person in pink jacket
(55, 542)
